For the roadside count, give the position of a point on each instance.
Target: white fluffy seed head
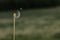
(14, 14)
(17, 14)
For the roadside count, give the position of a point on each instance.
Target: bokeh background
(40, 19)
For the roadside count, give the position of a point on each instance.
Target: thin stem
(14, 15)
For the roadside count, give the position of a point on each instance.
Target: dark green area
(32, 37)
(27, 4)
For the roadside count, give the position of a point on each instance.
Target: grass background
(34, 24)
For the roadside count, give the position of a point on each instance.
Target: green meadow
(34, 24)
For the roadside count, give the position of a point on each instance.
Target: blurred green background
(39, 20)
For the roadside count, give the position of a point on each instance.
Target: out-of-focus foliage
(35, 24)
